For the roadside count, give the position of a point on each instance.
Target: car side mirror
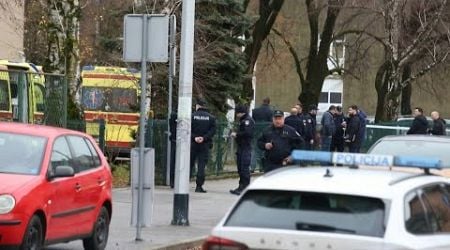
(63, 171)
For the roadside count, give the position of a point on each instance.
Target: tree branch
(294, 54)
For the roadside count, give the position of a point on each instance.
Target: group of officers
(278, 139)
(282, 135)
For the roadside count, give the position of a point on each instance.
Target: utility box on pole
(148, 186)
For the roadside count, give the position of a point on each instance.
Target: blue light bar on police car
(417, 161)
(356, 159)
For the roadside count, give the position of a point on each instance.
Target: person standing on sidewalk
(420, 123)
(353, 126)
(262, 117)
(243, 137)
(438, 124)
(328, 128)
(337, 141)
(203, 128)
(278, 141)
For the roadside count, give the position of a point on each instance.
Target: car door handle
(77, 187)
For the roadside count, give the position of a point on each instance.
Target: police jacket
(296, 122)
(203, 124)
(438, 127)
(353, 127)
(173, 127)
(283, 139)
(309, 127)
(262, 114)
(328, 126)
(419, 126)
(244, 135)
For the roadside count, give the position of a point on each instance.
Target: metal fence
(33, 97)
(222, 154)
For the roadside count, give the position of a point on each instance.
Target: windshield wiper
(321, 228)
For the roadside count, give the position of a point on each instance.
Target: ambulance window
(323, 97)
(4, 96)
(335, 97)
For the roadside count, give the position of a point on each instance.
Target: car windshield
(399, 147)
(21, 154)
(109, 99)
(306, 211)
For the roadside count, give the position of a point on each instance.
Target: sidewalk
(205, 211)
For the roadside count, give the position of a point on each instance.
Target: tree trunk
(381, 86)
(268, 12)
(406, 92)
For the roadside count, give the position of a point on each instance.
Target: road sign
(157, 39)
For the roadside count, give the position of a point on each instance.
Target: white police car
(340, 207)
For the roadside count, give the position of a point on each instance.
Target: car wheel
(33, 238)
(99, 236)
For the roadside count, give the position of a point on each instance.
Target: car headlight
(7, 203)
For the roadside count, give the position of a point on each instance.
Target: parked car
(55, 186)
(414, 145)
(340, 208)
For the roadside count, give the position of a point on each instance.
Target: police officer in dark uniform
(173, 145)
(278, 141)
(203, 128)
(244, 137)
(309, 125)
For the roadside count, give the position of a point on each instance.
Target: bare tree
(417, 39)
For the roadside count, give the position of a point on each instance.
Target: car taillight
(217, 243)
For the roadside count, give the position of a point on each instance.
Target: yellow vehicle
(22, 91)
(111, 94)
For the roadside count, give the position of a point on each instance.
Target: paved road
(205, 212)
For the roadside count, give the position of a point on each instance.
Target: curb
(192, 244)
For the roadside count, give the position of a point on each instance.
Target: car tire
(100, 232)
(33, 237)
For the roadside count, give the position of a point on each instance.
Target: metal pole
(172, 61)
(181, 195)
(142, 127)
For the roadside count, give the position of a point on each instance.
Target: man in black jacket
(243, 137)
(264, 112)
(278, 141)
(203, 128)
(295, 121)
(438, 124)
(352, 134)
(420, 123)
(337, 142)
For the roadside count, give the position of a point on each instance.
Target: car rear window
(306, 211)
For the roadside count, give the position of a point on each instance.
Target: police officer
(278, 141)
(353, 126)
(203, 128)
(309, 130)
(173, 145)
(295, 121)
(337, 141)
(243, 137)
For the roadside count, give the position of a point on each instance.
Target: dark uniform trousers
(199, 152)
(244, 158)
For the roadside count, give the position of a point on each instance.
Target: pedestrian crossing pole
(182, 163)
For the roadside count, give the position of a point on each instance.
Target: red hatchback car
(55, 186)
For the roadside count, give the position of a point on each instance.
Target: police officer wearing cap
(309, 124)
(244, 137)
(203, 128)
(278, 141)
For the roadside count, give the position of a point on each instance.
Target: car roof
(433, 138)
(33, 129)
(361, 182)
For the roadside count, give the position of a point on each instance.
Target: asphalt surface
(205, 211)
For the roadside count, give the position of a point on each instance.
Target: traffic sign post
(145, 40)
